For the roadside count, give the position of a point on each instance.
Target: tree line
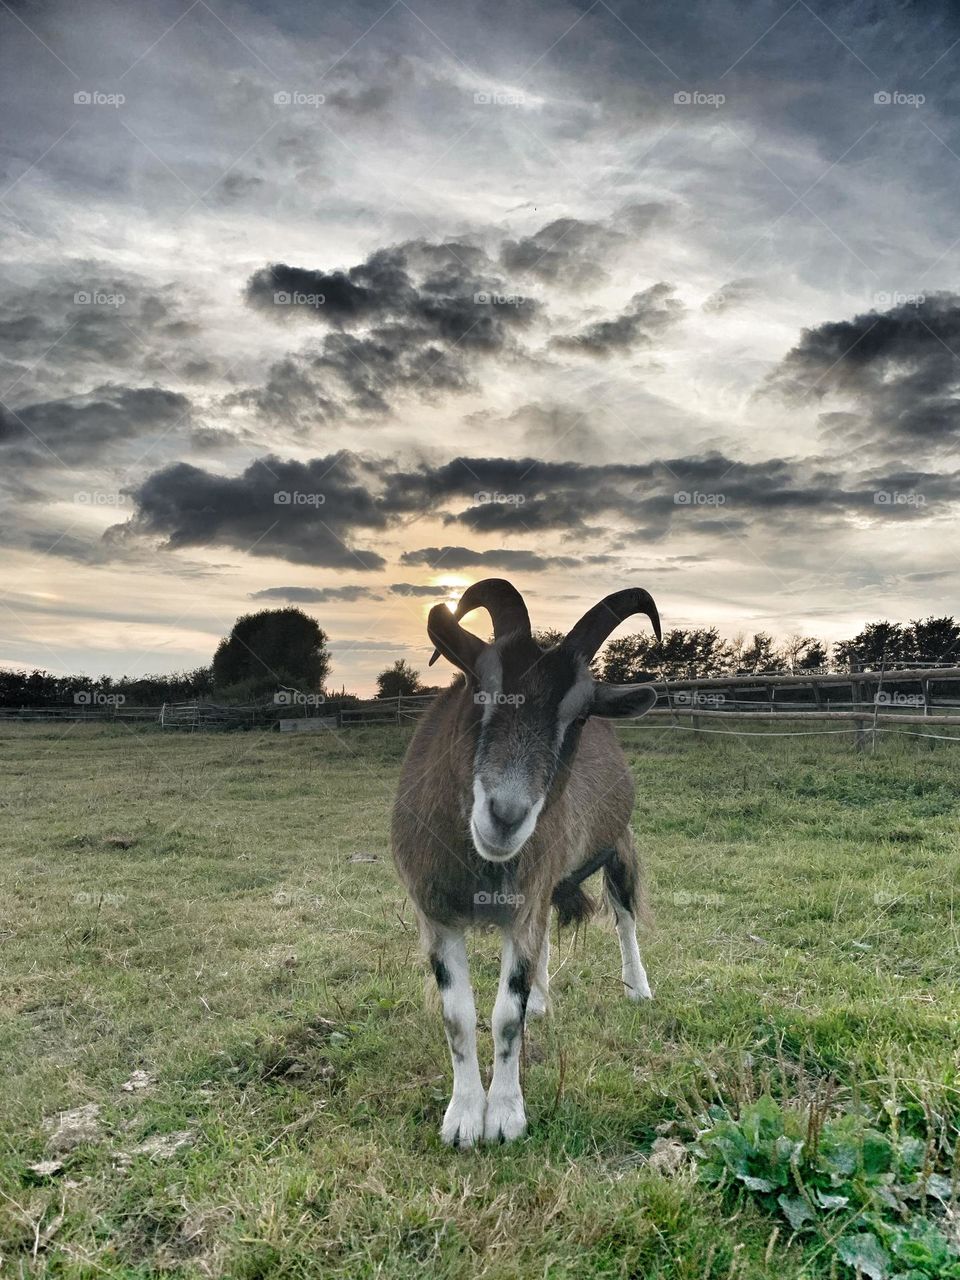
(277, 649)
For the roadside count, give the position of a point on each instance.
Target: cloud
(81, 428)
(735, 293)
(410, 318)
(303, 512)
(316, 595)
(569, 251)
(432, 292)
(896, 367)
(414, 589)
(649, 315)
(517, 560)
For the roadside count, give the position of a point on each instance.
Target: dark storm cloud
(430, 291)
(315, 595)
(83, 428)
(412, 318)
(306, 513)
(320, 512)
(897, 366)
(705, 493)
(647, 317)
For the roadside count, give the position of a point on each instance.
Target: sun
(452, 585)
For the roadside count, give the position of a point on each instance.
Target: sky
(346, 306)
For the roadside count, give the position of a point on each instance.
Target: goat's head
(530, 704)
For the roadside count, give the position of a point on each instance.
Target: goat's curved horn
(459, 646)
(502, 601)
(589, 633)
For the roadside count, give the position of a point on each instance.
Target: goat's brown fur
(587, 811)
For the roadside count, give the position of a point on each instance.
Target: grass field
(220, 913)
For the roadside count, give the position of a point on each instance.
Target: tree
(934, 640)
(400, 680)
(548, 637)
(628, 659)
(271, 648)
(879, 644)
(801, 653)
(814, 657)
(760, 657)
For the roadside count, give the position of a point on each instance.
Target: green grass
(187, 905)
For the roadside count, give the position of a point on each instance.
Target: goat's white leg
(635, 984)
(463, 1121)
(539, 1002)
(506, 1118)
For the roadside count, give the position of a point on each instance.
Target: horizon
(349, 309)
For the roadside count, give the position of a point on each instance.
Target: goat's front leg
(539, 1003)
(463, 1121)
(506, 1118)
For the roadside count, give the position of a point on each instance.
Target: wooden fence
(862, 704)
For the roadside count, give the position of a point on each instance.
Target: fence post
(925, 686)
(857, 688)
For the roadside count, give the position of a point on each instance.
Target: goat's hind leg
(624, 888)
(463, 1121)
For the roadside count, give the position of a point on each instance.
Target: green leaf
(877, 1153)
(796, 1209)
(866, 1252)
(826, 1201)
(756, 1184)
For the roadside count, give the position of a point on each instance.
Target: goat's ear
(614, 700)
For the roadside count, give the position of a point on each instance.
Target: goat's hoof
(506, 1118)
(463, 1120)
(636, 994)
(537, 1005)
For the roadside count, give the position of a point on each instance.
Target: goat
(512, 792)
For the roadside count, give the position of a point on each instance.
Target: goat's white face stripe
(575, 702)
